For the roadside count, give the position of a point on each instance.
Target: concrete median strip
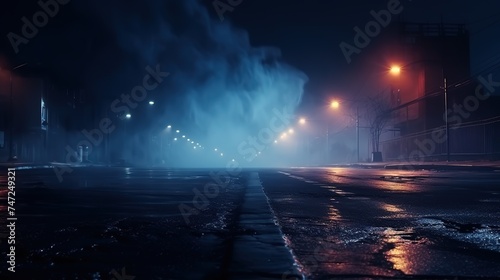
(259, 250)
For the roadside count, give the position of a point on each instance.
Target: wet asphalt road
(115, 223)
(349, 223)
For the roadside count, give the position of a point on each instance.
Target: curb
(441, 167)
(23, 166)
(260, 252)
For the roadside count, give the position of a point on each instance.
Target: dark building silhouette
(40, 114)
(428, 55)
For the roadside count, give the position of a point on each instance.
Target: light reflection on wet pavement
(338, 222)
(353, 223)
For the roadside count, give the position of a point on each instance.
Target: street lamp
(303, 122)
(396, 70)
(335, 105)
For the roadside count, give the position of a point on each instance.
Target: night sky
(308, 33)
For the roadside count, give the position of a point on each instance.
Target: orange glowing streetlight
(395, 70)
(335, 104)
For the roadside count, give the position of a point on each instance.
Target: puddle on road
(334, 214)
(394, 211)
(397, 178)
(337, 191)
(483, 236)
(394, 186)
(380, 251)
(391, 208)
(406, 253)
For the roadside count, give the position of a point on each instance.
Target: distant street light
(302, 121)
(151, 103)
(128, 116)
(334, 104)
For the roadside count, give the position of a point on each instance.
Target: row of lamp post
(395, 70)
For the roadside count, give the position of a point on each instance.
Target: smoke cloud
(221, 88)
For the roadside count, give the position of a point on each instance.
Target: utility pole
(357, 133)
(446, 121)
(327, 143)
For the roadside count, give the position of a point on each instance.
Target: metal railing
(470, 140)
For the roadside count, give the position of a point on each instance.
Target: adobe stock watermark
(362, 38)
(251, 148)
(456, 115)
(122, 105)
(121, 276)
(223, 6)
(247, 149)
(201, 199)
(40, 19)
